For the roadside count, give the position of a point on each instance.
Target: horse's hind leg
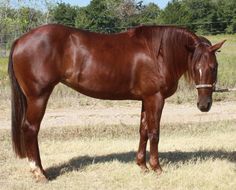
(141, 154)
(35, 110)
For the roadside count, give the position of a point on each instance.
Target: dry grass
(193, 156)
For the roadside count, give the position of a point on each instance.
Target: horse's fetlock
(140, 156)
(154, 162)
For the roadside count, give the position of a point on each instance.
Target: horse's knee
(143, 128)
(143, 131)
(153, 135)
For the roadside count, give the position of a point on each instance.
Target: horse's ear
(217, 46)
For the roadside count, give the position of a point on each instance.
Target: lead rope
(215, 89)
(225, 90)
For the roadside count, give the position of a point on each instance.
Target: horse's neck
(173, 43)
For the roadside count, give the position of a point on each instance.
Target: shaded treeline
(109, 16)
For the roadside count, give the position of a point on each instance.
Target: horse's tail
(19, 105)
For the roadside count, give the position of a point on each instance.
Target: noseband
(205, 86)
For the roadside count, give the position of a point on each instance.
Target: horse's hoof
(39, 176)
(144, 168)
(41, 179)
(158, 171)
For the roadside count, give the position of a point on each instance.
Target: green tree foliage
(64, 13)
(29, 18)
(149, 14)
(133, 14)
(98, 16)
(175, 13)
(202, 16)
(109, 16)
(116, 15)
(227, 9)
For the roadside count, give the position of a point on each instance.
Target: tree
(64, 14)
(128, 11)
(82, 20)
(201, 16)
(116, 15)
(29, 18)
(8, 26)
(99, 16)
(149, 14)
(227, 12)
(176, 13)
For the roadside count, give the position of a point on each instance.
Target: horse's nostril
(204, 107)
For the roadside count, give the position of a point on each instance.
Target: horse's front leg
(141, 154)
(153, 106)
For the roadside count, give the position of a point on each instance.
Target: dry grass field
(195, 154)
(91, 144)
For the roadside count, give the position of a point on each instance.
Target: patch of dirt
(128, 115)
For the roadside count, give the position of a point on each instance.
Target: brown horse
(144, 63)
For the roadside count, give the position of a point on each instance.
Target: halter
(205, 86)
(198, 86)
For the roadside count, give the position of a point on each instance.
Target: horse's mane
(175, 43)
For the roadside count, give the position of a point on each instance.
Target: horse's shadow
(165, 157)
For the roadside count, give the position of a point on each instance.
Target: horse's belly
(101, 88)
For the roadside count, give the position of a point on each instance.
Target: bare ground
(127, 114)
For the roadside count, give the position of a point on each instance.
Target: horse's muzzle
(204, 104)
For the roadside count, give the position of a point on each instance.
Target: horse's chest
(150, 82)
(169, 90)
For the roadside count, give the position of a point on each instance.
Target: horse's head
(204, 71)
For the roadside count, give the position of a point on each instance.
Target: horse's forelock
(200, 48)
